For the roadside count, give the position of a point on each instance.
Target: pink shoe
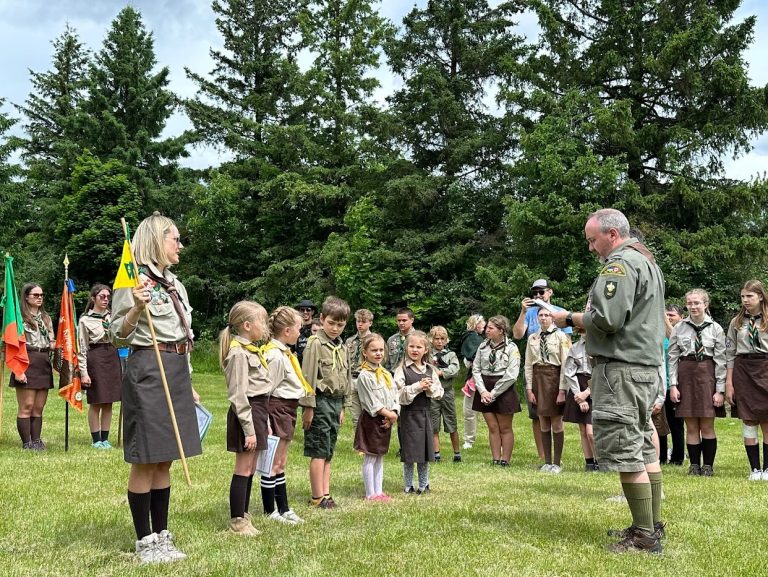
(372, 498)
(384, 498)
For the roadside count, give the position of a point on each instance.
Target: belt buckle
(180, 348)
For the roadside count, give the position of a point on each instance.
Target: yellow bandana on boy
(380, 372)
(250, 347)
(294, 363)
(336, 351)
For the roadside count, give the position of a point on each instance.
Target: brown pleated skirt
(282, 416)
(260, 416)
(546, 385)
(750, 385)
(105, 373)
(371, 437)
(696, 383)
(572, 413)
(39, 372)
(507, 403)
(149, 436)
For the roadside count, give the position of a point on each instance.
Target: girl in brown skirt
(32, 385)
(380, 408)
(696, 358)
(248, 385)
(288, 386)
(746, 381)
(578, 402)
(99, 365)
(544, 358)
(495, 370)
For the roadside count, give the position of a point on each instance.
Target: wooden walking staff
(162, 369)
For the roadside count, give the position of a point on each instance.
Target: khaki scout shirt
(246, 377)
(407, 393)
(36, 337)
(354, 352)
(507, 365)
(558, 346)
(737, 341)
(682, 342)
(577, 362)
(625, 312)
(326, 367)
(374, 393)
(91, 331)
(395, 350)
(284, 379)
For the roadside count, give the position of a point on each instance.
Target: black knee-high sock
(36, 427)
(663, 449)
(694, 453)
(709, 450)
(96, 437)
(559, 441)
(546, 441)
(268, 494)
(753, 454)
(281, 493)
(248, 493)
(24, 428)
(139, 504)
(765, 457)
(105, 435)
(159, 502)
(237, 491)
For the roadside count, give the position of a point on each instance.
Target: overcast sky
(184, 31)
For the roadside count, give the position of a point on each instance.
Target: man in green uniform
(624, 320)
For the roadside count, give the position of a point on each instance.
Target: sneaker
(617, 499)
(383, 497)
(27, 446)
(495, 462)
(147, 550)
(330, 503)
(694, 470)
(106, 445)
(503, 463)
(545, 468)
(555, 469)
(167, 548)
(276, 516)
(707, 471)
(638, 540)
(243, 526)
(38, 445)
(658, 530)
(756, 475)
(466, 446)
(437, 458)
(421, 491)
(292, 517)
(457, 457)
(765, 475)
(97, 445)
(409, 491)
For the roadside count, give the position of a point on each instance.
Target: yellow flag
(126, 274)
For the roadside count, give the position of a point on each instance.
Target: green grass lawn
(67, 513)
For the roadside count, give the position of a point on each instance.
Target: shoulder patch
(610, 289)
(613, 269)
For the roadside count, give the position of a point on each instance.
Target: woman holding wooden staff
(151, 443)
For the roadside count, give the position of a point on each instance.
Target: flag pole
(167, 391)
(2, 387)
(66, 404)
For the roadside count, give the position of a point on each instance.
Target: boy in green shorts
(327, 369)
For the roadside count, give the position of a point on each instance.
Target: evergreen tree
(14, 202)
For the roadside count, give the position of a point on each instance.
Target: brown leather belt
(181, 348)
(753, 356)
(39, 349)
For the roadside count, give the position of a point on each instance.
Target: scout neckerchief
(250, 347)
(698, 343)
(380, 372)
(754, 337)
(336, 351)
(294, 363)
(103, 317)
(44, 334)
(492, 356)
(175, 299)
(544, 345)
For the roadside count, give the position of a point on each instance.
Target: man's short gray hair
(609, 218)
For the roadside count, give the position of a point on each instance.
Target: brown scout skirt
(147, 424)
(105, 373)
(546, 385)
(39, 372)
(371, 437)
(282, 416)
(415, 425)
(750, 385)
(260, 416)
(696, 383)
(572, 413)
(508, 403)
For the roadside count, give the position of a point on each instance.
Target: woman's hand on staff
(142, 293)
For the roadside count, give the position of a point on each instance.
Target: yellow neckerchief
(250, 347)
(380, 372)
(335, 352)
(294, 363)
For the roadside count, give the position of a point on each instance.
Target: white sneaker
(292, 517)
(466, 445)
(147, 550)
(167, 548)
(765, 475)
(617, 499)
(276, 516)
(756, 475)
(545, 468)
(555, 469)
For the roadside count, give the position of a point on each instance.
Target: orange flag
(66, 351)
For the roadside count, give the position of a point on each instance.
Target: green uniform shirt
(625, 311)
(326, 368)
